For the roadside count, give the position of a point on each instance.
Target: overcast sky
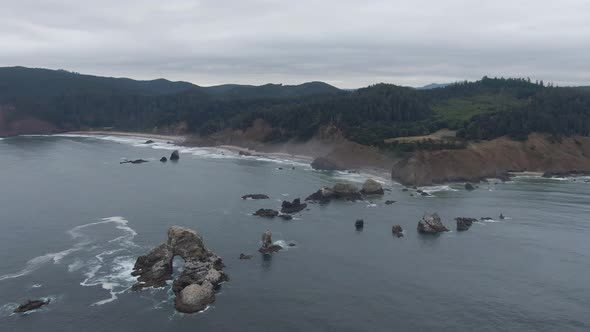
(346, 43)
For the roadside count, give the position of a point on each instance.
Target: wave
(360, 177)
(105, 262)
(434, 189)
(202, 152)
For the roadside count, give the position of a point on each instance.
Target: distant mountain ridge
(433, 86)
(40, 82)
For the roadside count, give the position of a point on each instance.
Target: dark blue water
(73, 221)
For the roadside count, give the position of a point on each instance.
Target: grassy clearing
(457, 110)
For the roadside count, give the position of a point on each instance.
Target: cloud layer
(346, 43)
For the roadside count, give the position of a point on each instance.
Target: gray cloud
(346, 43)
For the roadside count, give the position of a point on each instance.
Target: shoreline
(180, 141)
(173, 138)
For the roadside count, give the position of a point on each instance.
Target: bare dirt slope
(539, 153)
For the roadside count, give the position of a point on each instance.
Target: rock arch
(202, 274)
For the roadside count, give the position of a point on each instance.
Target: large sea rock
(292, 207)
(175, 155)
(203, 270)
(31, 305)
(463, 224)
(344, 191)
(325, 164)
(372, 187)
(431, 224)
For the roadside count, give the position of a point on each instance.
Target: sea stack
(175, 155)
(431, 224)
(202, 274)
(267, 246)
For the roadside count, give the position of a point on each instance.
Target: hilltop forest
(480, 110)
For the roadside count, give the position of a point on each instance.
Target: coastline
(381, 173)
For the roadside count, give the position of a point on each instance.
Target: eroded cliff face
(12, 125)
(540, 153)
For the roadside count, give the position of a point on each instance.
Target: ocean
(74, 220)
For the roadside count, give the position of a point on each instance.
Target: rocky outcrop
(244, 153)
(494, 159)
(397, 230)
(325, 164)
(163, 159)
(324, 195)
(469, 186)
(292, 207)
(201, 276)
(389, 202)
(431, 224)
(267, 246)
(255, 196)
(30, 305)
(345, 191)
(266, 213)
(149, 141)
(372, 187)
(463, 224)
(195, 297)
(174, 156)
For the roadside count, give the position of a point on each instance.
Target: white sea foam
(105, 263)
(434, 189)
(360, 177)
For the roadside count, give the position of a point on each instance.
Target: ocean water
(74, 220)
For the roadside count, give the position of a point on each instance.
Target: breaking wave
(104, 256)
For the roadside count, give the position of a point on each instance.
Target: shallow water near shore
(74, 220)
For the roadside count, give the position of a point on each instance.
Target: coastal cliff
(495, 158)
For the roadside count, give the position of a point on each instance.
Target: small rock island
(202, 275)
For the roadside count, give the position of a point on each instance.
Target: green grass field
(457, 110)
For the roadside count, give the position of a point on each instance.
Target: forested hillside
(485, 109)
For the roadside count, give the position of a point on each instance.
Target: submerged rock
(201, 276)
(30, 305)
(175, 155)
(244, 153)
(325, 164)
(163, 159)
(149, 141)
(372, 187)
(286, 216)
(463, 224)
(266, 213)
(292, 207)
(431, 224)
(487, 219)
(469, 186)
(397, 230)
(255, 196)
(245, 256)
(136, 161)
(389, 202)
